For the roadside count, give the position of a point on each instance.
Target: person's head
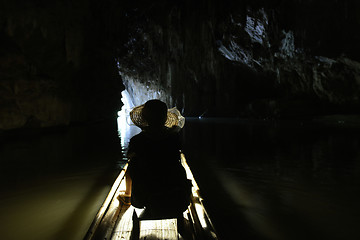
(155, 113)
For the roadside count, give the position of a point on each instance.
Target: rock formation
(67, 61)
(250, 58)
(56, 65)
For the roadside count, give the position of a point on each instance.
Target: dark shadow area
(55, 180)
(277, 179)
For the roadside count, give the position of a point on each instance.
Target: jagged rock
(55, 65)
(226, 58)
(258, 58)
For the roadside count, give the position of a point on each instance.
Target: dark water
(260, 180)
(277, 180)
(53, 183)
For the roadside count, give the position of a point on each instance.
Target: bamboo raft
(114, 221)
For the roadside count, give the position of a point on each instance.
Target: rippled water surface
(260, 179)
(52, 184)
(277, 180)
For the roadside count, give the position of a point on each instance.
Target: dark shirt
(155, 163)
(158, 152)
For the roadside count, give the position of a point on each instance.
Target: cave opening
(276, 85)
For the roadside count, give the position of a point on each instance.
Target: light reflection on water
(52, 185)
(60, 209)
(126, 128)
(260, 180)
(277, 180)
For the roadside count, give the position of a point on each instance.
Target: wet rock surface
(55, 66)
(259, 59)
(67, 61)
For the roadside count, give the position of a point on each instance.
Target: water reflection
(126, 128)
(53, 183)
(260, 180)
(277, 180)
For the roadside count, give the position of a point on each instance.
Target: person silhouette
(155, 178)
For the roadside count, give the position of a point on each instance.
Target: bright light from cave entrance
(126, 128)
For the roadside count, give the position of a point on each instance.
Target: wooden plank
(149, 229)
(199, 217)
(114, 220)
(105, 206)
(124, 225)
(158, 229)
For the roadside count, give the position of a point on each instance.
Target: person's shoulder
(137, 137)
(175, 129)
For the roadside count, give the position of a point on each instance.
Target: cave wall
(245, 58)
(57, 63)
(67, 61)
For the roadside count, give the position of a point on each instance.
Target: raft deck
(114, 219)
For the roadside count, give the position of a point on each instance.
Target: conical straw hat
(174, 118)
